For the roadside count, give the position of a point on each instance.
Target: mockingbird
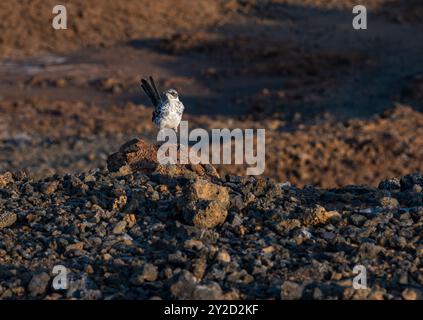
(167, 113)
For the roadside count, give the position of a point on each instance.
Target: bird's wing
(160, 111)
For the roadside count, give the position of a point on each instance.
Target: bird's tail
(151, 91)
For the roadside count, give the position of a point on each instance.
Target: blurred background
(340, 106)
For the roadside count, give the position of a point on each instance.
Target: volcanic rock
(205, 204)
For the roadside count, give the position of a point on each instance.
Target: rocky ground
(342, 111)
(140, 230)
(339, 106)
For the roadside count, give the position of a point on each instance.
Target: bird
(167, 112)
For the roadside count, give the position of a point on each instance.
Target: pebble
(120, 227)
(392, 184)
(223, 256)
(7, 219)
(389, 203)
(291, 290)
(358, 219)
(411, 294)
(38, 284)
(149, 273)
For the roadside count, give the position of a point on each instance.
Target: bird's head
(171, 94)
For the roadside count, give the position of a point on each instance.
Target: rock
(75, 246)
(119, 227)
(369, 250)
(389, 203)
(119, 202)
(107, 257)
(207, 292)
(130, 220)
(268, 249)
(184, 287)
(50, 187)
(411, 294)
(138, 155)
(7, 219)
(240, 277)
(82, 287)
(149, 273)
(38, 284)
(288, 225)
(193, 244)
(234, 219)
(358, 219)
(199, 268)
(205, 204)
(187, 288)
(5, 179)
(318, 215)
(317, 294)
(408, 181)
(223, 256)
(377, 295)
(392, 184)
(291, 290)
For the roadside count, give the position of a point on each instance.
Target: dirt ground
(339, 106)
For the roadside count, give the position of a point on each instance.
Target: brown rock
(192, 243)
(188, 288)
(199, 268)
(130, 220)
(291, 291)
(50, 188)
(138, 155)
(149, 273)
(120, 227)
(75, 246)
(288, 225)
(119, 202)
(319, 215)
(38, 284)
(7, 219)
(389, 203)
(411, 294)
(223, 256)
(377, 295)
(268, 249)
(205, 204)
(5, 179)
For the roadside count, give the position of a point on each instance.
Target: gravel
(125, 234)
